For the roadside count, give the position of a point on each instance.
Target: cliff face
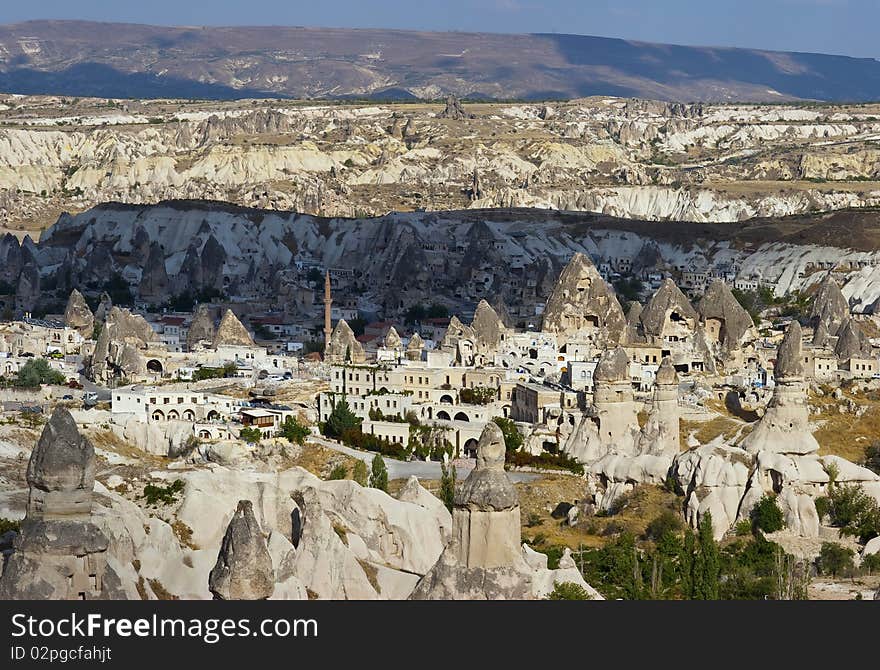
(520, 253)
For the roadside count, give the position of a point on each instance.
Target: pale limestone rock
(669, 312)
(661, 434)
(343, 347)
(119, 349)
(392, 340)
(402, 535)
(611, 424)
(414, 348)
(727, 326)
(60, 554)
(851, 341)
(583, 307)
(785, 426)
(488, 328)
(324, 563)
(232, 332)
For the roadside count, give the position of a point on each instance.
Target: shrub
(379, 474)
(37, 371)
(294, 431)
(338, 472)
(871, 563)
(8, 524)
(854, 511)
(766, 515)
(513, 439)
(568, 591)
(341, 419)
(823, 506)
(360, 474)
(479, 395)
(250, 435)
(447, 486)
(213, 373)
(872, 457)
(166, 495)
(666, 522)
(835, 560)
(545, 461)
(743, 527)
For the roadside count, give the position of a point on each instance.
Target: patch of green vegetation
(568, 591)
(166, 495)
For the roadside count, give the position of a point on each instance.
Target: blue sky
(847, 27)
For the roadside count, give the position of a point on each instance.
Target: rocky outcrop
(59, 553)
(119, 349)
(785, 426)
(669, 312)
(851, 341)
(231, 332)
(484, 560)
(830, 308)
(488, 328)
(583, 307)
(661, 435)
(78, 316)
(343, 347)
(103, 308)
(27, 291)
(244, 567)
(611, 424)
(727, 326)
(454, 110)
(634, 331)
(201, 330)
(414, 347)
(392, 340)
(155, 284)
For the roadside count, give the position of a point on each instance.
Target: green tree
(687, 562)
(340, 420)
(854, 511)
(666, 522)
(338, 472)
(447, 485)
(37, 371)
(766, 515)
(250, 435)
(513, 439)
(707, 566)
(294, 431)
(835, 560)
(379, 474)
(437, 311)
(359, 474)
(568, 591)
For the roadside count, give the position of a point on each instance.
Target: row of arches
(186, 415)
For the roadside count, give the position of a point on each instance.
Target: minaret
(328, 328)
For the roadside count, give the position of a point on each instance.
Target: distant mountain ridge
(78, 58)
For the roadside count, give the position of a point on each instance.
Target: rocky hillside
(396, 260)
(136, 61)
(627, 158)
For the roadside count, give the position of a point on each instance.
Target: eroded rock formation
(583, 307)
(244, 567)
